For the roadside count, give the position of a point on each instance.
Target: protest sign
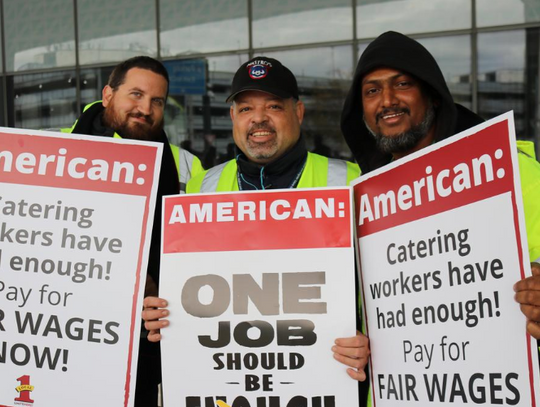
(442, 242)
(259, 286)
(75, 225)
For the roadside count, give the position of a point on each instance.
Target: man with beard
(399, 103)
(132, 107)
(266, 113)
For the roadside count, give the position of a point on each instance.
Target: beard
(261, 151)
(132, 130)
(406, 140)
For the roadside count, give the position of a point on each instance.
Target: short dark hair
(118, 75)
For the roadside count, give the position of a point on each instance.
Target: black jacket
(90, 123)
(397, 51)
(282, 173)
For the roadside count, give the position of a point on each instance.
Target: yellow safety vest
(319, 172)
(529, 170)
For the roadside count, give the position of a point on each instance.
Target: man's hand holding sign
(528, 296)
(352, 351)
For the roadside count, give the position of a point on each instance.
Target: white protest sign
(259, 286)
(75, 222)
(442, 242)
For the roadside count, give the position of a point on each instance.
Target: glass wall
(196, 26)
(112, 31)
(453, 53)
(38, 34)
(411, 16)
(506, 12)
(42, 100)
(300, 22)
(509, 80)
(56, 57)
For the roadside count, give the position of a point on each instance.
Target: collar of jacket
(279, 173)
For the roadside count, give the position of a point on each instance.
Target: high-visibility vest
(187, 164)
(319, 171)
(529, 171)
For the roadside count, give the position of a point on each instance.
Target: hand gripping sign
(442, 242)
(75, 222)
(259, 286)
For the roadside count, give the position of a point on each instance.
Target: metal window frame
(354, 41)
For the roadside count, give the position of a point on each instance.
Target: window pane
(39, 34)
(42, 101)
(501, 12)
(92, 83)
(201, 123)
(111, 31)
(3, 121)
(453, 54)
(411, 16)
(300, 22)
(324, 77)
(196, 26)
(509, 80)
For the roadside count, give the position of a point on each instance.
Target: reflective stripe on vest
(337, 172)
(187, 164)
(319, 172)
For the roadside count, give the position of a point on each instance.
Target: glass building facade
(56, 57)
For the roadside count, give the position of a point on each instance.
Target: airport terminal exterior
(56, 56)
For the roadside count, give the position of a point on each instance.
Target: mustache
(261, 126)
(147, 118)
(391, 110)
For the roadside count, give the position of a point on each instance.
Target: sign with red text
(75, 223)
(442, 242)
(259, 286)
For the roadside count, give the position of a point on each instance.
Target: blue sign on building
(187, 76)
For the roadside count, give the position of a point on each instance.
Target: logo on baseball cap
(266, 75)
(258, 69)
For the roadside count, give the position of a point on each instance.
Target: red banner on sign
(431, 184)
(263, 220)
(76, 164)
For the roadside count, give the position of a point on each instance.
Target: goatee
(407, 140)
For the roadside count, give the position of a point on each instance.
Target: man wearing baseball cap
(266, 113)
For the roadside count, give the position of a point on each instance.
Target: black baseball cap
(267, 75)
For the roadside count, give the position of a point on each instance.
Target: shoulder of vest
(527, 148)
(218, 169)
(196, 182)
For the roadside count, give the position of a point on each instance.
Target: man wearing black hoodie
(399, 103)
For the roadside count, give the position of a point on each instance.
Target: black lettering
(296, 332)
(513, 389)
(223, 339)
(265, 338)
(219, 363)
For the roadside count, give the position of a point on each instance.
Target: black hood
(397, 51)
